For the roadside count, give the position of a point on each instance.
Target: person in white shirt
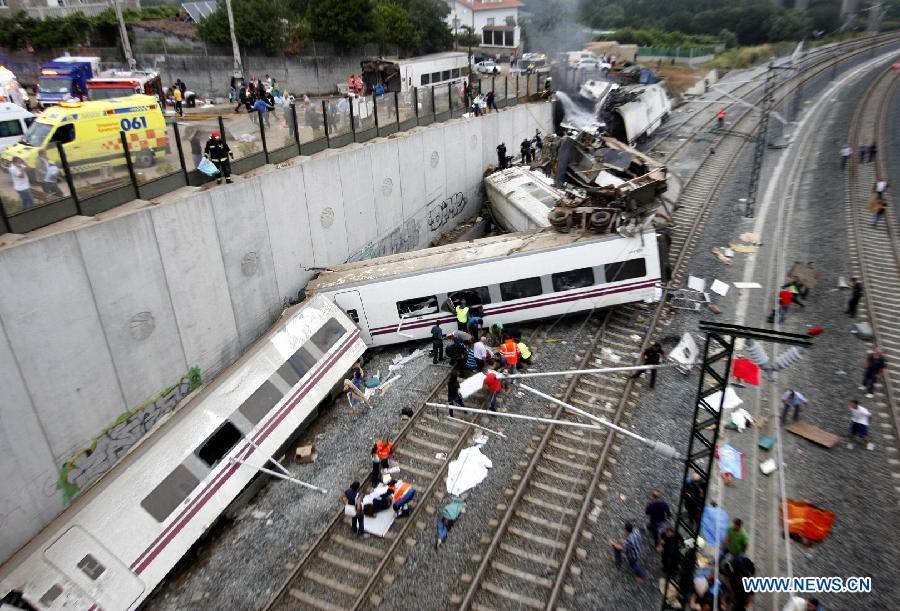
(859, 424)
(18, 171)
(481, 352)
(846, 151)
(879, 188)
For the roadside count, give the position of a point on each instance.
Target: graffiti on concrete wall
(88, 463)
(440, 213)
(402, 239)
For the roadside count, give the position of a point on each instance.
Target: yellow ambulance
(90, 131)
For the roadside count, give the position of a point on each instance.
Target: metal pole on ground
(125, 150)
(416, 103)
(68, 172)
(433, 105)
(352, 119)
(184, 169)
(450, 98)
(375, 110)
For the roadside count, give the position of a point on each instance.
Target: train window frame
(170, 493)
(353, 315)
(625, 272)
(219, 444)
(327, 336)
(426, 79)
(50, 596)
(303, 357)
(557, 279)
(482, 296)
(259, 403)
(422, 302)
(91, 567)
(522, 288)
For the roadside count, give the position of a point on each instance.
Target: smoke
(575, 115)
(551, 26)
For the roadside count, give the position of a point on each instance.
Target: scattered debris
(257, 514)
(750, 238)
(768, 467)
(306, 454)
(398, 362)
(721, 256)
(468, 470)
(812, 433)
(742, 248)
(731, 463)
(747, 285)
(719, 287)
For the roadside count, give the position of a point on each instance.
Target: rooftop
(489, 5)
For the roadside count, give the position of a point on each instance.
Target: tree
(429, 20)
(346, 24)
(727, 38)
(258, 24)
(392, 26)
(468, 38)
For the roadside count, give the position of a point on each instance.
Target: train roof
(449, 255)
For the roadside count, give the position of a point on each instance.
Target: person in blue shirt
(263, 108)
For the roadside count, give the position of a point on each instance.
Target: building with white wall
(496, 22)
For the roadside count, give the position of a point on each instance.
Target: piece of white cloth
(467, 471)
(732, 400)
(741, 418)
(471, 385)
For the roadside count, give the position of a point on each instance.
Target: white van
(14, 121)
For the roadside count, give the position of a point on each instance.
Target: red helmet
(215, 135)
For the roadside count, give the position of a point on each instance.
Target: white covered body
(513, 278)
(643, 116)
(521, 198)
(118, 539)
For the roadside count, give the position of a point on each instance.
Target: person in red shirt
(494, 386)
(785, 298)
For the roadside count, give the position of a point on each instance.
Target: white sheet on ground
(731, 399)
(471, 385)
(467, 471)
(382, 521)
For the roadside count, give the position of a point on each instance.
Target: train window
(170, 493)
(91, 567)
(625, 270)
(51, 595)
(543, 195)
(574, 279)
(435, 77)
(219, 444)
(478, 295)
(455, 73)
(353, 315)
(417, 307)
(426, 79)
(445, 75)
(520, 289)
(302, 361)
(328, 335)
(264, 398)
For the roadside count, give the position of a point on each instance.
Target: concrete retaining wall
(101, 319)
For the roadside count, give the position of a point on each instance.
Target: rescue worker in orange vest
(509, 352)
(721, 117)
(403, 492)
(381, 452)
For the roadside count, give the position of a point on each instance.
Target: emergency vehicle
(119, 83)
(89, 132)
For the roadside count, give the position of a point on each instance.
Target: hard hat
(215, 135)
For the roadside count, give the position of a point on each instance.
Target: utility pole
(762, 134)
(123, 32)
(238, 69)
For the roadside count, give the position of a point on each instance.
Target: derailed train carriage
(120, 538)
(508, 279)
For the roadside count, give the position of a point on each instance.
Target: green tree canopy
(392, 26)
(260, 26)
(428, 18)
(347, 24)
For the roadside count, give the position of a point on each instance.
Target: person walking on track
(874, 368)
(653, 355)
(454, 396)
(857, 287)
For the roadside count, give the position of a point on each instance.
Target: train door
(94, 569)
(351, 303)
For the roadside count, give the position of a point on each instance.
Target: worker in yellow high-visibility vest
(462, 315)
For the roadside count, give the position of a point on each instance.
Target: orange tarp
(808, 521)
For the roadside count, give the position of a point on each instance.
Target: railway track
(877, 252)
(559, 490)
(529, 557)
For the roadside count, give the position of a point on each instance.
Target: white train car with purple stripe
(508, 278)
(118, 539)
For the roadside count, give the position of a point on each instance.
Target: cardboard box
(306, 454)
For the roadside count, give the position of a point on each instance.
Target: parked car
(590, 63)
(487, 67)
